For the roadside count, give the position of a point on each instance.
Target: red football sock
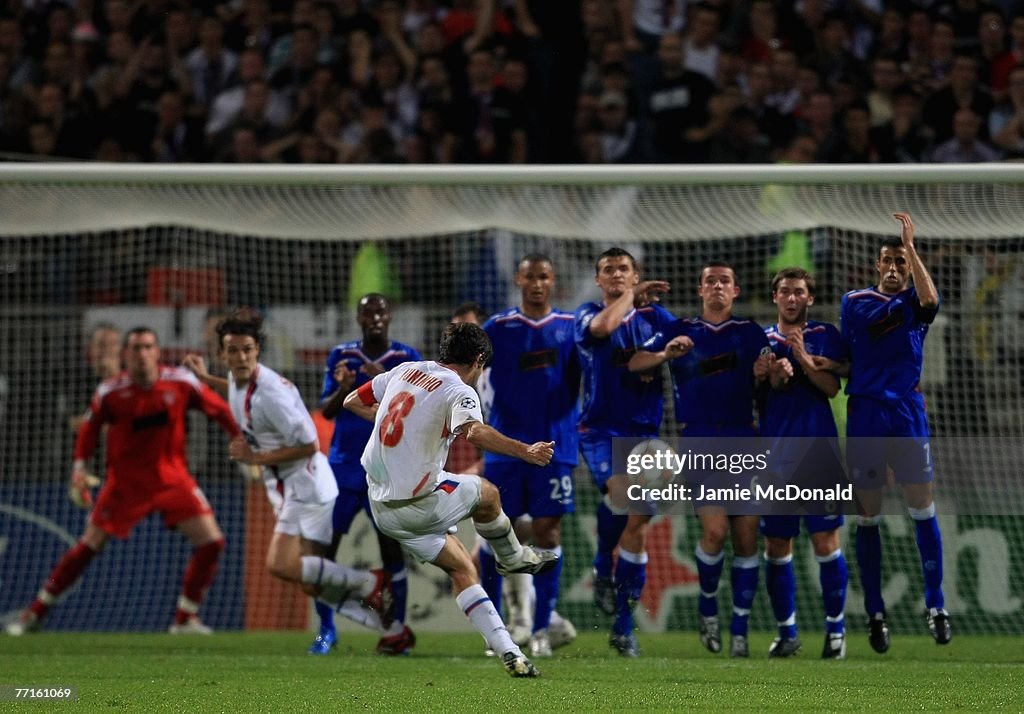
(63, 576)
(198, 576)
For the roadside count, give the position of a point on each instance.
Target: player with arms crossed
(145, 411)
(535, 381)
(279, 437)
(797, 405)
(884, 327)
(349, 366)
(618, 403)
(711, 359)
(417, 410)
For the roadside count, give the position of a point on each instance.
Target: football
(652, 465)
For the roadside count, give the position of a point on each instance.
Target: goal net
(172, 247)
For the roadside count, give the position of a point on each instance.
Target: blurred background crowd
(508, 81)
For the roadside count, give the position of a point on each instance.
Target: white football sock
(480, 611)
(336, 581)
(502, 539)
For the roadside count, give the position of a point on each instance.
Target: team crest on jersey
(467, 403)
(169, 398)
(766, 351)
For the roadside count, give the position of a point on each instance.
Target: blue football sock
(609, 529)
(744, 588)
(833, 576)
(399, 588)
(929, 546)
(489, 576)
(630, 576)
(869, 563)
(781, 583)
(326, 614)
(709, 572)
(545, 585)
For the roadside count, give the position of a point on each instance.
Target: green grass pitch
(270, 672)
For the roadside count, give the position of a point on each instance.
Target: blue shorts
(696, 478)
(349, 475)
(789, 526)
(541, 491)
(596, 447)
(884, 435)
(347, 507)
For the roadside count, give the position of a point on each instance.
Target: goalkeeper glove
(81, 482)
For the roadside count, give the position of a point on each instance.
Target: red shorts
(117, 510)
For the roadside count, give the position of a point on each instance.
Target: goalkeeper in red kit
(145, 411)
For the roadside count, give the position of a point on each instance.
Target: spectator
(678, 102)
(961, 92)
(488, 126)
(175, 138)
(1014, 56)
(855, 144)
(965, 146)
(228, 103)
(700, 48)
(210, 65)
(785, 89)
(904, 138)
(1006, 122)
(885, 78)
(620, 140)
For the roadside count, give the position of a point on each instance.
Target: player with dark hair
(711, 359)
(535, 382)
(349, 366)
(417, 409)
(279, 439)
(797, 405)
(469, 312)
(144, 409)
(618, 403)
(884, 327)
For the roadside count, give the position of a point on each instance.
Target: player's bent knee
(777, 547)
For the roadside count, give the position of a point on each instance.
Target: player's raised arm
(927, 294)
(490, 439)
(197, 364)
(642, 360)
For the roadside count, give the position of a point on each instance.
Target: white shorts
(421, 526)
(312, 521)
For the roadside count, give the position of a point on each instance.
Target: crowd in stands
(505, 81)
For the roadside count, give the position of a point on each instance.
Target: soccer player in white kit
(279, 437)
(418, 408)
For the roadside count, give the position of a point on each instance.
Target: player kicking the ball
(418, 409)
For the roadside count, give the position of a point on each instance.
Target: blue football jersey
(351, 432)
(884, 337)
(535, 377)
(713, 383)
(615, 400)
(801, 409)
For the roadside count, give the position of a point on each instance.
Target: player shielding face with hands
(884, 327)
(617, 402)
(144, 409)
(796, 404)
(712, 361)
(417, 409)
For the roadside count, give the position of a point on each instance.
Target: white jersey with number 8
(422, 407)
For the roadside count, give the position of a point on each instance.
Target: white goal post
(602, 202)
